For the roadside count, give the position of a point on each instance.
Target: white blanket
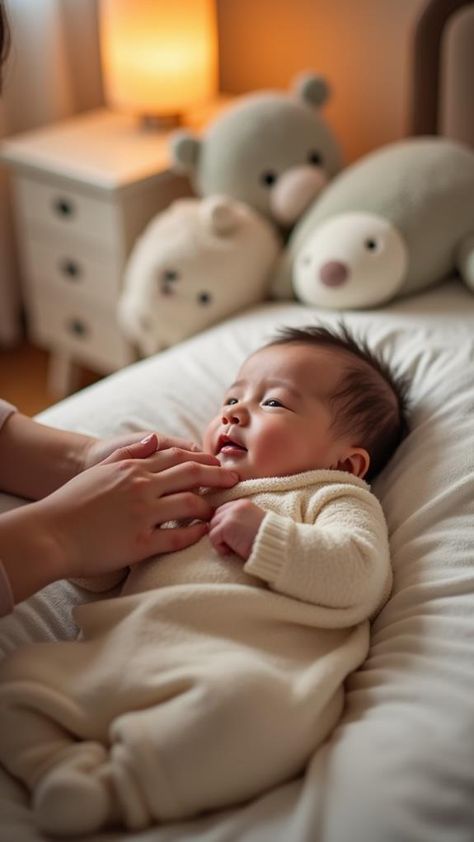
(399, 767)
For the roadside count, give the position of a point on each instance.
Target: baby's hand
(234, 526)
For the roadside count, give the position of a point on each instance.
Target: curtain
(53, 72)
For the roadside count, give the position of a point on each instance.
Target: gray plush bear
(396, 222)
(271, 150)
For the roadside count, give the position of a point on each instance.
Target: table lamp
(159, 57)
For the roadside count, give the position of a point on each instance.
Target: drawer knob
(70, 268)
(77, 327)
(63, 207)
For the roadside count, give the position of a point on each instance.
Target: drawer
(90, 334)
(66, 264)
(67, 210)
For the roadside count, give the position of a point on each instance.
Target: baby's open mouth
(227, 445)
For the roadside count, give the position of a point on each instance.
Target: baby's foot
(74, 797)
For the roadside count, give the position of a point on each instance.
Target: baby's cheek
(209, 437)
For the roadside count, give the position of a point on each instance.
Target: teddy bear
(270, 150)
(195, 263)
(394, 223)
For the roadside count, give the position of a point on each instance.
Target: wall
(361, 46)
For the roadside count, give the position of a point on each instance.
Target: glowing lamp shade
(159, 57)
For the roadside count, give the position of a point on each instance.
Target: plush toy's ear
(312, 89)
(185, 149)
(219, 215)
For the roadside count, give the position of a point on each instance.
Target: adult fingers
(137, 450)
(182, 506)
(194, 475)
(170, 540)
(164, 459)
(173, 441)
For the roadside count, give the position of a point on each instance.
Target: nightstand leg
(63, 374)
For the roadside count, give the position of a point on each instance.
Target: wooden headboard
(430, 65)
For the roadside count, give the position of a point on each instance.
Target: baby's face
(276, 419)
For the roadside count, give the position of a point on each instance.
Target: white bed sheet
(399, 767)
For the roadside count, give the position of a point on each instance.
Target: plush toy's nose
(333, 273)
(293, 192)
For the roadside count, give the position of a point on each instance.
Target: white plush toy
(394, 223)
(195, 263)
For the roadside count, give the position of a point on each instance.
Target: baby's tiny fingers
(222, 549)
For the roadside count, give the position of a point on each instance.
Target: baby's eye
(273, 402)
(230, 401)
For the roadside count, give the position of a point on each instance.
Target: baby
(220, 668)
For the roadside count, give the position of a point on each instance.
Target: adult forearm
(28, 553)
(35, 459)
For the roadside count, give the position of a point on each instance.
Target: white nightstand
(84, 189)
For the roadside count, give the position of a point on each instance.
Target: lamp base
(156, 122)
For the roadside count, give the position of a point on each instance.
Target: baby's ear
(355, 462)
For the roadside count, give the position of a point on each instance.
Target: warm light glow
(159, 56)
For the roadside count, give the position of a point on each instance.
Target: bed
(399, 766)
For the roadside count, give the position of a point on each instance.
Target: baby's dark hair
(370, 399)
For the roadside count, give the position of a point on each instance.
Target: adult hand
(234, 527)
(96, 450)
(109, 515)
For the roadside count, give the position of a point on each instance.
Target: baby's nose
(230, 417)
(237, 414)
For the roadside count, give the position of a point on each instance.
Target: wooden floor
(23, 378)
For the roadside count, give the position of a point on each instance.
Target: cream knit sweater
(210, 680)
(341, 567)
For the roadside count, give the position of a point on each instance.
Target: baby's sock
(75, 796)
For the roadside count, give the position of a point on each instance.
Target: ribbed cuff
(268, 554)
(6, 595)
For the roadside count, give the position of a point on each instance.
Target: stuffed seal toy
(194, 264)
(394, 223)
(271, 150)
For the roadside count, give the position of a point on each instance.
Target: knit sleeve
(340, 563)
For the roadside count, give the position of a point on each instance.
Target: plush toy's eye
(268, 178)
(204, 298)
(371, 244)
(167, 281)
(170, 275)
(315, 157)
